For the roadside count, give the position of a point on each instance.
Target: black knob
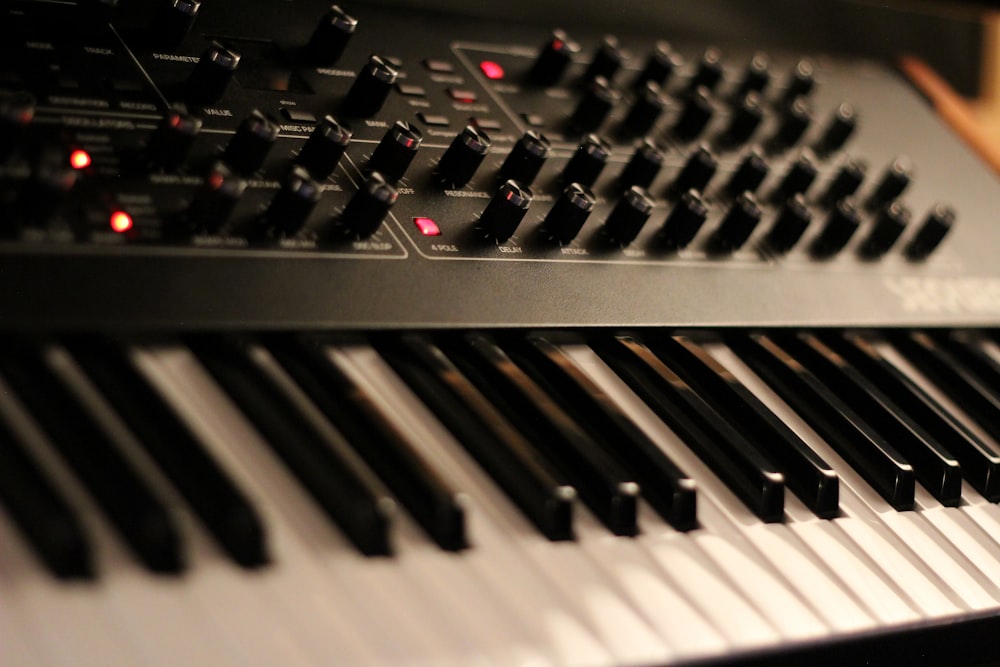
(709, 72)
(888, 227)
(685, 220)
(745, 119)
(698, 170)
(894, 181)
(797, 179)
(646, 110)
(331, 36)
(660, 66)
(321, 153)
(642, 169)
(248, 148)
(694, 116)
(738, 224)
(212, 74)
(368, 207)
(597, 102)
(567, 215)
(173, 21)
(588, 161)
(17, 110)
(791, 224)
(801, 81)
(215, 200)
(293, 204)
(608, 59)
(840, 226)
(839, 129)
(934, 228)
(793, 124)
(505, 211)
(172, 139)
(553, 59)
(749, 175)
(371, 88)
(463, 157)
(628, 216)
(847, 181)
(526, 158)
(393, 155)
(755, 77)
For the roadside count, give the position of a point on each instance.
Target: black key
(485, 433)
(980, 463)
(138, 516)
(806, 474)
(669, 490)
(754, 479)
(935, 467)
(215, 499)
(321, 459)
(44, 517)
(603, 485)
(355, 412)
(877, 461)
(967, 347)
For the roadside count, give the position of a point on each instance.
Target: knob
(331, 36)
(695, 115)
(17, 110)
(597, 102)
(934, 228)
(526, 158)
(463, 157)
(588, 161)
(215, 200)
(646, 110)
(894, 181)
(801, 81)
(756, 76)
(628, 216)
(248, 148)
(368, 207)
(173, 21)
(749, 175)
(839, 129)
(791, 224)
(685, 220)
(321, 153)
(798, 178)
(567, 215)
(793, 124)
(393, 155)
(642, 169)
(660, 65)
(888, 227)
(371, 87)
(172, 139)
(847, 181)
(212, 74)
(294, 203)
(608, 59)
(505, 211)
(840, 226)
(745, 120)
(738, 224)
(553, 59)
(709, 71)
(698, 170)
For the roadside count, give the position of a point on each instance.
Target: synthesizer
(368, 334)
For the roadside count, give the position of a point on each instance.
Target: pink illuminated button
(491, 69)
(427, 226)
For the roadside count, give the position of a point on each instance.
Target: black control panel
(300, 164)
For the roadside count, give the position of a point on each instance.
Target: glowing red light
(79, 159)
(121, 222)
(427, 226)
(491, 69)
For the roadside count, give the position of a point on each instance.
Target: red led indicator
(491, 69)
(121, 222)
(79, 159)
(427, 226)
